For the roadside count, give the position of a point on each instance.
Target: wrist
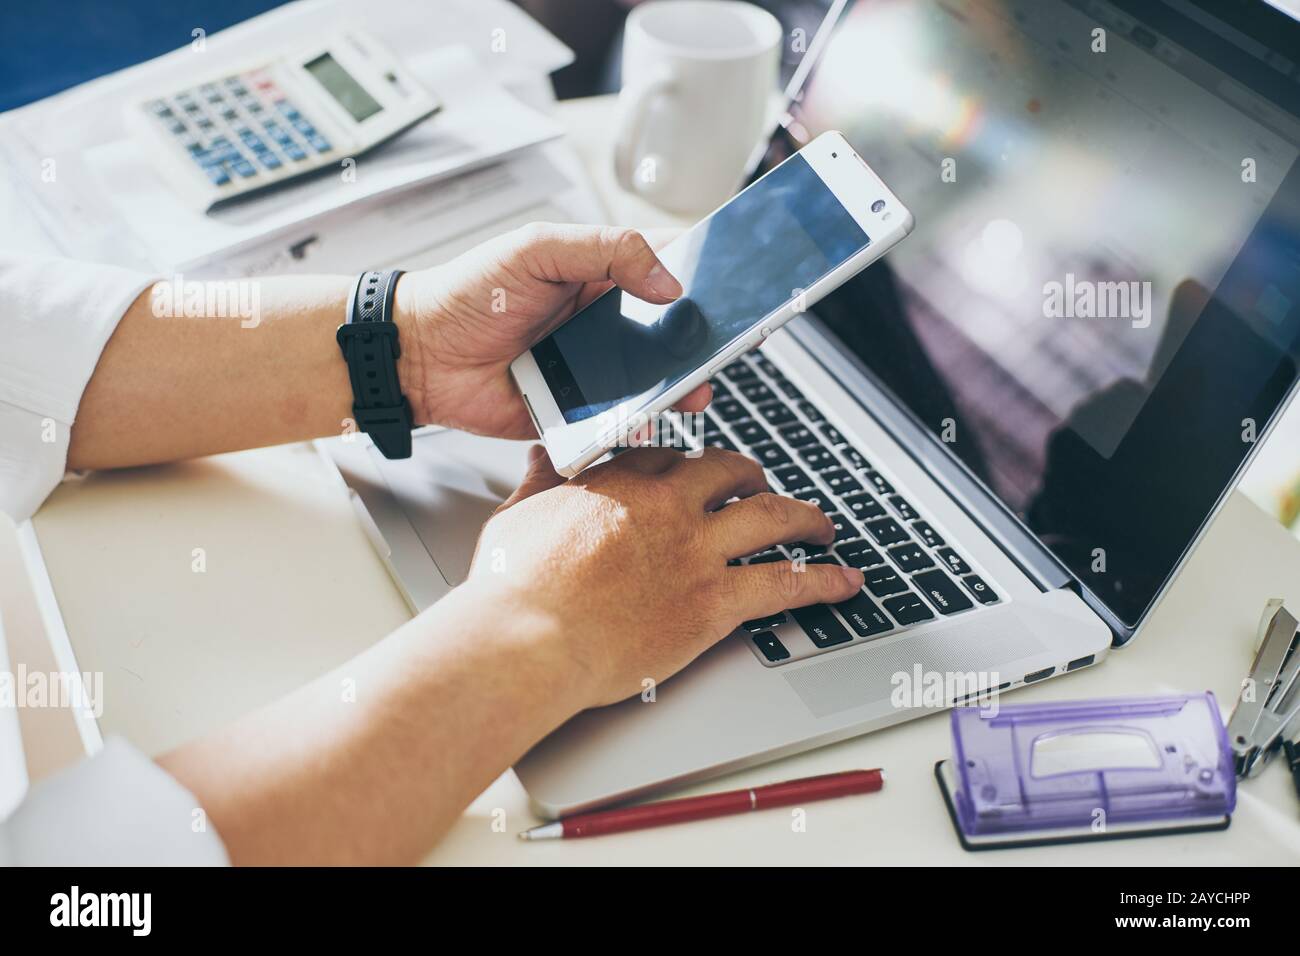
(412, 370)
(538, 643)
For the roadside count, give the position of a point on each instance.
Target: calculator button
(294, 152)
(176, 127)
(320, 144)
(217, 175)
(269, 160)
(244, 168)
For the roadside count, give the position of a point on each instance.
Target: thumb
(598, 254)
(539, 477)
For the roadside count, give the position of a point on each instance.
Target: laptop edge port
(1080, 662)
(1039, 675)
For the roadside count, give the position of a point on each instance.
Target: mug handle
(631, 120)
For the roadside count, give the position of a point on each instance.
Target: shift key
(821, 626)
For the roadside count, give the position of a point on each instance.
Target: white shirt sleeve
(117, 808)
(56, 316)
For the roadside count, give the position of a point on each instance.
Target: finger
(760, 590)
(756, 523)
(716, 475)
(697, 400)
(539, 477)
(597, 254)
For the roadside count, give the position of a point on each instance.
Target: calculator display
(339, 83)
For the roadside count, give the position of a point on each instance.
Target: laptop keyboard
(913, 575)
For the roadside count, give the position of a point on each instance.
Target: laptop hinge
(968, 492)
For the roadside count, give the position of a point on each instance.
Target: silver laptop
(1022, 421)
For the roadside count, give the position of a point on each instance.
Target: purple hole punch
(1084, 770)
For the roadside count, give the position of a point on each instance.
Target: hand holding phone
(773, 250)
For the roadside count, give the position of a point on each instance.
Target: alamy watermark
(684, 430)
(938, 689)
(1087, 299)
(178, 297)
(54, 689)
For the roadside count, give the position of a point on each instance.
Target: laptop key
(818, 457)
(953, 560)
(806, 550)
(711, 426)
(927, 534)
(840, 481)
(771, 646)
(863, 506)
(811, 412)
(942, 591)
(859, 554)
(767, 557)
(774, 413)
(765, 623)
(816, 497)
(863, 616)
(729, 410)
(751, 433)
(843, 530)
(792, 477)
(983, 593)
(822, 627)
(770, 455)
(757, 392)
(855, 458)
(738, 371)
(832, 434)
(720, 441)
(797, 435)
(903, 507)
(789, 389)
(882, 485)
(910, 558)
(908, 609)
(883, 582)
(886, 531)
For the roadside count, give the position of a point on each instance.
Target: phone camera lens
(878, 205)
(835, 155)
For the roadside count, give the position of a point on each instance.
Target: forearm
(170, 387)
(373, 762)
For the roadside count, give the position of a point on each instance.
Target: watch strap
(370, 346)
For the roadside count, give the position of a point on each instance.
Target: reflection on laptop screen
(1097, 310)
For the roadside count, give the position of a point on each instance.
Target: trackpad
(449, 487)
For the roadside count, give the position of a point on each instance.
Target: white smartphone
(789, 238)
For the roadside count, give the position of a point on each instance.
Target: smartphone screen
(736, 267)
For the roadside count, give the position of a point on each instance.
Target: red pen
(712, 805)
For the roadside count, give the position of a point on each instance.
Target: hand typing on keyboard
(626, 565)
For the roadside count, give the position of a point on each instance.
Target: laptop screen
(1097, 312)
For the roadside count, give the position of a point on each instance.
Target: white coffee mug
(698, 82)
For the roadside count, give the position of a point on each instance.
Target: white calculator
(277, 120)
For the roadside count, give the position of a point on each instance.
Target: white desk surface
(292, 588)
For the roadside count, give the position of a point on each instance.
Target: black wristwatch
(369, 342)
